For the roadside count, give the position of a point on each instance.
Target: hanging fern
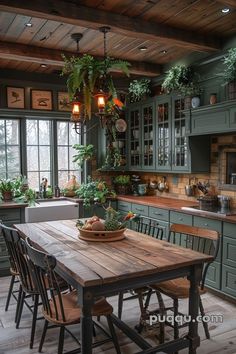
(86, 71)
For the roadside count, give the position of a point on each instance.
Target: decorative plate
(121, 125)
(101, 236)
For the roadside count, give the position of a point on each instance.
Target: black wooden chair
(151, 228)
(28, 294)
(12, 292)
(61, 309)
(198, 239)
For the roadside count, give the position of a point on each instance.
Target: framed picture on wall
(63, 101)
(15, 97)
(41, 100)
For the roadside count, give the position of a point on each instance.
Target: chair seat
(72, 310)
(175, 288)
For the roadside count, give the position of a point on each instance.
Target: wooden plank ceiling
(169, 29)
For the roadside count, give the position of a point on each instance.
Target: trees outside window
(10, 165)
(66, 138)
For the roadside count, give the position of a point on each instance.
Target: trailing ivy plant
(138, 89)
(230, 66)
(85, 73)
(182, 78)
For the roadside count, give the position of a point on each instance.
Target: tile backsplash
(177, 182)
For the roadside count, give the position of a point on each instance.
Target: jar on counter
(213, 98)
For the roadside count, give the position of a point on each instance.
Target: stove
(211, 211)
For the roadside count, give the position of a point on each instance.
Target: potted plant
(230, 72)
(86, 73)
(122, 184)
(138, 89)
(94, 192)
(11, 187)
(84, 153)
(183, 79)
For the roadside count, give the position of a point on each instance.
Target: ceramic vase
(195, 102)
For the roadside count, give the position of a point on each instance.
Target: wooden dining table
(105, 268)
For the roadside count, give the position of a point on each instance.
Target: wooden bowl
(101, 236)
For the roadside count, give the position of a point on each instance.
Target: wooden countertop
(174, 204)
(11, 205)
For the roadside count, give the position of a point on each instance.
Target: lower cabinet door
(213, 275)
(229, 280)
(229, 251)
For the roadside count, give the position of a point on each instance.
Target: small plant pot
(7, 196)
(122, 189)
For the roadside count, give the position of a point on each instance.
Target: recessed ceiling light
(28, 24)
(226, 10)
(164, 51)
(143, 48)
(43, 65)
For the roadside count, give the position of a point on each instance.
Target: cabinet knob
(155, 213)
(180, 219)
(206, 224)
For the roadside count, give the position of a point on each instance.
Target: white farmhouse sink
(52, 210)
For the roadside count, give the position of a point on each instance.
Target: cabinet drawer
(9, 214)
(123, 206)
(229, 229)
(213, 275)
(180, 218)
(158, 213)
(229, 280)
(229, 251)
(140, 209)
(207, 223)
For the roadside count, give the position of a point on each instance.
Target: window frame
(54, 117)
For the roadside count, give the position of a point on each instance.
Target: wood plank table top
(97, 263)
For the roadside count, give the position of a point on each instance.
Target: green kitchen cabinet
(163, 134)
(8, 216)
(229, 259)
(211, 119)
(141, 136)
(175, 151)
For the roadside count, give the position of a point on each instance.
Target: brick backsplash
(177, 182)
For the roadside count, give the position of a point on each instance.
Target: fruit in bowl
(112, 227)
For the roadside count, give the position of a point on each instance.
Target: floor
(16, 341)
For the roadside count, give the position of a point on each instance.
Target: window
(9, 148)
(38, 142)
(66, 138)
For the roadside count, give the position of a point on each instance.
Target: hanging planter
(184, 80)
(230, 73)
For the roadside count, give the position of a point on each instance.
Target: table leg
(193, 336)
(86, 324)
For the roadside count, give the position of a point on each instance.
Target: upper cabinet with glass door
(163, 134)
(179, 138)
(135, 137)
(141, 136)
